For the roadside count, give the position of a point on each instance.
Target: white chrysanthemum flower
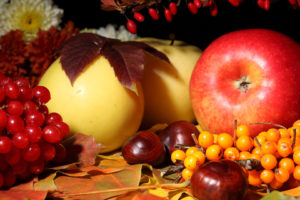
(113, 31)
(29, 16)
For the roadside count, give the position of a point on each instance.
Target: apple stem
(172, 38)
(273, 124)
(243, 83)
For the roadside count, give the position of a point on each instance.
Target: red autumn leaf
(109, 5)
(126, 58)
(78, 52)
(82, 149)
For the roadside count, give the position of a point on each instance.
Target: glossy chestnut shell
(219, 180)
(178, 132)
(144, 147)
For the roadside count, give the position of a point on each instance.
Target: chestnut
(178, 132)
(219, 180)
(144, 147)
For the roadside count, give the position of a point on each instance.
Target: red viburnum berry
(235, 3)
(213, 9)
(264, 4)
(168, 15)
(131, 26)
(138, 17)
(192, 8)
(153, 13)
(173, 8)
(197, 3)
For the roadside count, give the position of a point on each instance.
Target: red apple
(249, 75)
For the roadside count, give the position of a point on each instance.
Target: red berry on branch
(235, 3)
(131, 26)
(15, 108)
(138, 17)
(31, 153)
(173, 8)
(3, 119)
(11, 90)
(15, 124)
(53, 118)
(168, 15)
(20, 140)
(213, 9)
(264, 4)
(52, 134)
(153, 13)
(197, 3)
(192, 8)
(41, 93)
(13, 157)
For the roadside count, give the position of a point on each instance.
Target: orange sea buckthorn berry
(263, 133)
(296, 123)
(257, 151)
(242, 130)
(268, 147)
(261, 139)
(191, 151)
(231, 153)
(254, 178)
(276, 184)
(284, 133)
(285, 140)
(291, 131)
(267, 176)
(282, 175)
(296, 148)
(214, 152)
(296, 173)
(200, 157)
(255, 156)
(288, 164)
(191, 162)
(187, 173)
(205, 139)
(273, 135)
(244, 155)
(296, 157)
(244, 143)
(225, 140)
(177, 155)
(284, 149)
(268, 161)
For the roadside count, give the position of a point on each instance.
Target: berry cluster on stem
(30, 136)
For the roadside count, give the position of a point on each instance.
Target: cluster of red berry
(169, 11)
(193, 6)
(30, 136)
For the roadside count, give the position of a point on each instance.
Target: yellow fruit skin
(166, 86)
(97, 104)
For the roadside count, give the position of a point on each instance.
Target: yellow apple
(166, 86)
(96, 104)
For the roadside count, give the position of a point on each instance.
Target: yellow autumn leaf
(293, 192)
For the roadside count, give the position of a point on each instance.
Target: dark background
(199, 29)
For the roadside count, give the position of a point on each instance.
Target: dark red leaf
(127, 61)
(82, 148)
(78, 52)
(127, 58)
